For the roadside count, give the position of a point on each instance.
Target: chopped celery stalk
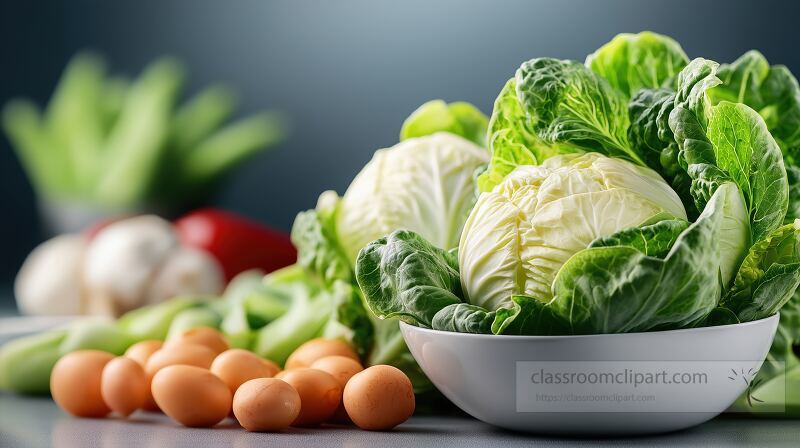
(73, 117)
(39, 155)
(201, 116)
(153, 322)
(193, 318)
(229, 146)
(25, 363)
(120, 145)
(96, 334)
(115, 93)
(136, 143)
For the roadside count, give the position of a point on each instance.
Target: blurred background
(344, 73)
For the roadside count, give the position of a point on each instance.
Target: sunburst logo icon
(750, 380)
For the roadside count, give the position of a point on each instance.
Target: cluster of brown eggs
(198, 381)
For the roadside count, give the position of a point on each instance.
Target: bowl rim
(507, 337)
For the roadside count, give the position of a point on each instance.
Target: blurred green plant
(123, 144)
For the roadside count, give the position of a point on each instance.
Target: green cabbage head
(423, 184)
(520, 234)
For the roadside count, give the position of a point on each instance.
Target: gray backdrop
(346, 72)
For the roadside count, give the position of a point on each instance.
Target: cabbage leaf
(631, 62)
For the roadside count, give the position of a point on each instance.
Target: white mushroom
(49, 282)
(186, 271)
(122, 260)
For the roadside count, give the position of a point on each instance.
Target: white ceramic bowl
(595, 384)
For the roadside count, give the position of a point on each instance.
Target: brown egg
(306, 354)
(207, 336)
(176, 354)
(75, 383)
(141, 351)
(191, 395)
(124, 385)
(180, 354)
(379, 398)
(320, 395)
(235, 366)
(342, 368)
(281, 374)
(266, 404)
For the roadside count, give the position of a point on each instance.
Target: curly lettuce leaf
(654, 240)
(728, 142)
(770, 90)
(570, 105)
(529, 316)
(767, 277)
(512, 139)
(631, 62)
(459, 118)
(793, 177)
(404, 276)
(554, 107)
(318, 249)
(526, 316)
(464, 318)
(349, 319)
(650, 135)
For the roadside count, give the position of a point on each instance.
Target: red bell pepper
(238, 243)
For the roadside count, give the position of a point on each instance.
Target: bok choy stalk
(120, 144)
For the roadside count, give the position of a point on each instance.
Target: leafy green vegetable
(728, 142)
(405, 276)
(25, 363)
(93, 334)
(651, 136)
(529, 316)
(310, 308)
(115, 144)
(570, 105)
(424, 185)
(512, 139)
(153, 321)
(617, 289)
(631, 62)
(314, 235)
(463, 318)
(772, 91)
(760, 288)
(193, 318)
(349, 320)
(459, 118)
(654, 240)
(519, 235)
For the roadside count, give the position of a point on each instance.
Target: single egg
(124, 385)
(379, 398)
(342, 368)
(176, 354)
(141, 351)
(235, 366)
(180, 354)
(191, 395)
(75, 383)
(320, 395)
(266, 404)
(306, 354)
(206, 336)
